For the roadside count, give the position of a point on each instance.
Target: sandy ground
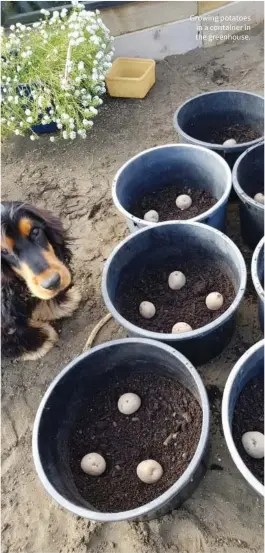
(223, 516)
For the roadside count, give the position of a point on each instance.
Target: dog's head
(33, 247)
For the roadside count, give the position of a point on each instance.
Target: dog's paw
(50, 337)
(58, 308)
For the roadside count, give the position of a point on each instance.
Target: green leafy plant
(54, 72)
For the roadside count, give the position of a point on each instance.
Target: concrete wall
(159, 29)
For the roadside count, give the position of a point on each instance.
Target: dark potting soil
(163, 201)
(172, 306)
(249, 416)
(124, 441)
(241, 133)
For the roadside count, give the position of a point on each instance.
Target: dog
(36, 280)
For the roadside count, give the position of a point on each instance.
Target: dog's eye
(4, 251)
(35, 232)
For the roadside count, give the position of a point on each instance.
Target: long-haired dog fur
(36, 280)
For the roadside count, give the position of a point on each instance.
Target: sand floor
(224, 515)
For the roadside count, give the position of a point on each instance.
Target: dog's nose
(52, 282)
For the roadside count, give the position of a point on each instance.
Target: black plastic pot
(248, 179)
(187, 241)
(251, 364)
(257, 273)
(74, 386)
(196, 119)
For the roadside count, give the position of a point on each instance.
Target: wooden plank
(204, 7)
(136, 16)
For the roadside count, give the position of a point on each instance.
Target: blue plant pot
(257, 273)
(44, 129)
(251, 364)
(152, 169)
(181, 240)
(248, 179)
(199, 116)
(38, 128)
(72, 388)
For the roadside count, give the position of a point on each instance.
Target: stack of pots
(207, 166)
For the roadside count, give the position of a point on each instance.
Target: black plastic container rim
(238, 189)
(221, 147)
(160, 336)
(168, 494)
(246, 473)
(199, 217)
(254, 269)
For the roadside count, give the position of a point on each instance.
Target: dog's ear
(53, 228)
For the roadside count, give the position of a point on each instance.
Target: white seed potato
(229, 142)
(129, 403)
(149, 471)
(259, 197)
(181, 327)
(93, 464)
(214, 301)
(147, 309)
(253, 443)
(183, 201)
(151, 216)
(176, 280)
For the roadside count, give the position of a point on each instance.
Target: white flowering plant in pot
(53, 73)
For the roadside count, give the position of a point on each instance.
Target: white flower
(72, 135)
(17, 131)
(85, 122)
(29, 119)
(12, 27)
(59, 126)
(72, 125)
(75, 3)
(93, 110)
(21, 124)
(32, 137)
(78, 80)
(64, 12)
(24, 54)
(62, 27)
(65, 135)
(10, 98)
(27, 112)
(12, 118)
(45, 12)
(55, 14)
(52, 139)
(18, 68)
(81, 66)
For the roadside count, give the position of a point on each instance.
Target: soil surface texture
(240, 133)
(248, 417)
(224, 515)
(124, 441)
(172, 306)
(164, 202)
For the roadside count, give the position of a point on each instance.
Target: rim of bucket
(238, 189)
(254, 269)
(160, 500)
(203, 215)
(210, 145)
(160, 336)
(243, 469)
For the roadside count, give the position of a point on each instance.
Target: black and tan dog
(36, 280)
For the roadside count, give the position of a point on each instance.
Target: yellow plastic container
(130, 77)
